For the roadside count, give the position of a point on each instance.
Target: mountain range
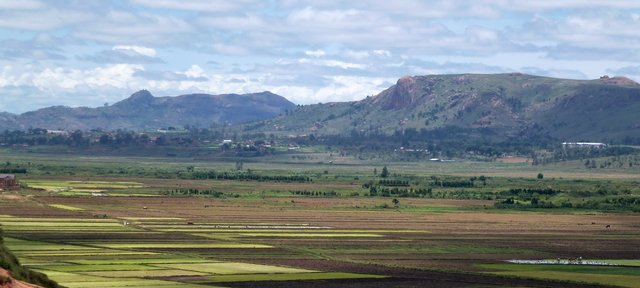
(143, 111)
(500, 106)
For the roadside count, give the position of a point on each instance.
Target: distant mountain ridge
(498, 106)
(143, 111)
(488, 106)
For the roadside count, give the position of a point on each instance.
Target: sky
(97, 52)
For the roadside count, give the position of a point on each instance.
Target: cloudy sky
(88, 53)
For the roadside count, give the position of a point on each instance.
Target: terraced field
(91, 230)
(200, 242)
(122, 262)
(80, 188)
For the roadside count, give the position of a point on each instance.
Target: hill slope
(143, 111)
(11, 270)
(498, 106)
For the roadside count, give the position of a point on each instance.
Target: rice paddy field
(102, 230)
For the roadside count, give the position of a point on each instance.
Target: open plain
(141, 230)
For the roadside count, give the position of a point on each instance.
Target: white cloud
(332, 63)
(146, 51)
(315, 53)
(20, 5)
(57, 79)
(119, 26)
(310, 15)
(385, 53)
(47, 19)
(338, 88)
(479, 35)
(256, 45)
(229, 49)
(565, 4)
(359, 55)
(194, 5)
(195, 71)
(232, 22)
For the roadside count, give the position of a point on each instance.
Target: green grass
(53, 219)
(175, 259)
(96, 264)
(57, 225)
(287, 277)
(618, 280)
(79, 188)
(63, 277)
(318, 235)
(234, 268)
(624, 262)
(87, 253)
(147, 273)
(620, 276)
(152, 219)
(432, 249)
(587, 269)
(66, 207)
(18, 245)
(75, 280)
(181, 245)
(109, 267)
(189, 229)
(51, 185)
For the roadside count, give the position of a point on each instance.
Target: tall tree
(385, 172)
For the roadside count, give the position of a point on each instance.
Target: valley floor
(310, 241)
(110, 231)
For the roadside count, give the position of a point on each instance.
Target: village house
(8, 181)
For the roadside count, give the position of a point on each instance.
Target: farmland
(149, 222)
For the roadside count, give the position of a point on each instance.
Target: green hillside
(499, 106)
(143, 111)
(10, 263)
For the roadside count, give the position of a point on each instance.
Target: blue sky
(92, 52)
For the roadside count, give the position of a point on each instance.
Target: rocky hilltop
(485, 105)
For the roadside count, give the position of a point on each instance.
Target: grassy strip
(605, 279)
(181, 245)
(363, 235)
(28, 245)
(287, 277)
(90, 253)
(138, 283)
(587, 269)
(227, 268)
(66, 207)
(138, 261)
(190, 229)
(12, 219)
(623, 262)
(111, 267)
(146, 273)
(47, 224)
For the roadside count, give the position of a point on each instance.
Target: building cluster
(8, 181)
(583, 145)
